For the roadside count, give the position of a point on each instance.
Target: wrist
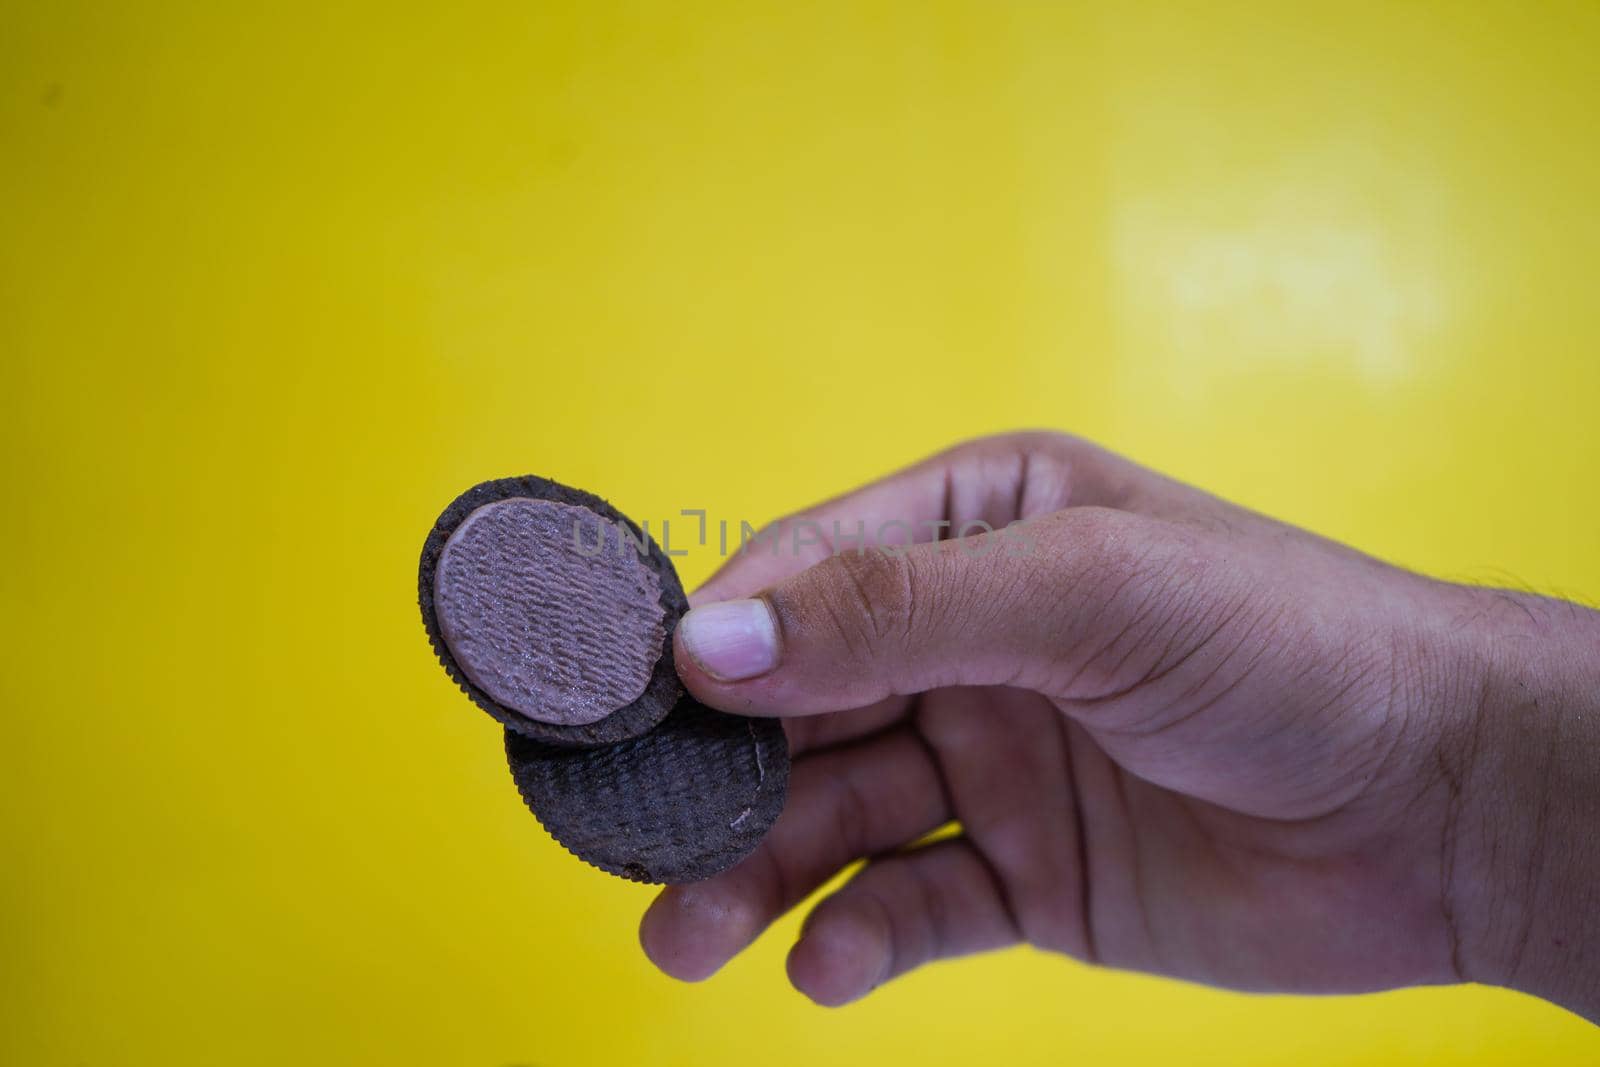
(1522, 769)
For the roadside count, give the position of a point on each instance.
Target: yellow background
(276, 282)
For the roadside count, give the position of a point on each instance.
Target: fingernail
(733, 640)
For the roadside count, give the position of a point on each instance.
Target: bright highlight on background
(277, 282)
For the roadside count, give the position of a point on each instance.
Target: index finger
(990, 481)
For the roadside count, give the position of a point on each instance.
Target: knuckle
(872, 594)
(1091, 541)
(1052, 443)
(1047, 469)
(1107, 560)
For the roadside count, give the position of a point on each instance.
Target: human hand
(1177, 736)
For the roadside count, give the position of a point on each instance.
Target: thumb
(1027, 606)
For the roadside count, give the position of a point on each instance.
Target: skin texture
(1177, 736)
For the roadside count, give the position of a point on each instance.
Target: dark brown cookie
(683, 802)
(551, 610)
